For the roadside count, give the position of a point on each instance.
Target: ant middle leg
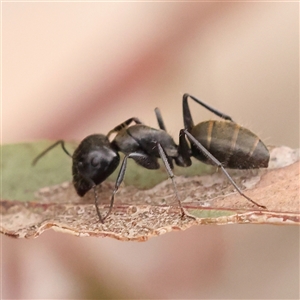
(160, 120)
(148, 162)
(165, 159)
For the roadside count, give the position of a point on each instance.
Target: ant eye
(95, 161)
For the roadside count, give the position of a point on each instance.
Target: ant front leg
(142, 159)
(94, 187)
(89, 184)
(124, 125)
(218, 164)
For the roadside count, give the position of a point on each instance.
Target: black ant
(96, 157)
(221, 143)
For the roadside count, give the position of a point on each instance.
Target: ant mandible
(96, 158)
(220, 143)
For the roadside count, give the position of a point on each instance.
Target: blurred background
(72, 69)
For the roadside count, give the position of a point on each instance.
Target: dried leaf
(141, 214)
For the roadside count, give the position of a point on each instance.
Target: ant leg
(94, 187)
(96, 204)
(159, 118)
(218, 164)
(146, 161)
(61, 142)
(164, 158)
(183, 158)
(89, 184)
(184, 152)
(187, 117)
(124, 125)
(188, 121)
(120, 177)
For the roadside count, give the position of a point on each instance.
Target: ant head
(93, 161)
(98, 163)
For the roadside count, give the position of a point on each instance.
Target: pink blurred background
(72, 69)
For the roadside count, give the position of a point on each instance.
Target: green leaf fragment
(20, 180)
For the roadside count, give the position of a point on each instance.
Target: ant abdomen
(234, 146)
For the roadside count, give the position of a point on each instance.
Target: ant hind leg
(188, 122)
(219, 165)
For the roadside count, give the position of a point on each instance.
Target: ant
(220, 143)
(96, 158)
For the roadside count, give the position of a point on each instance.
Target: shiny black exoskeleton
(93, 161)
(224, 144)
(220, 143)
(96, 157)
